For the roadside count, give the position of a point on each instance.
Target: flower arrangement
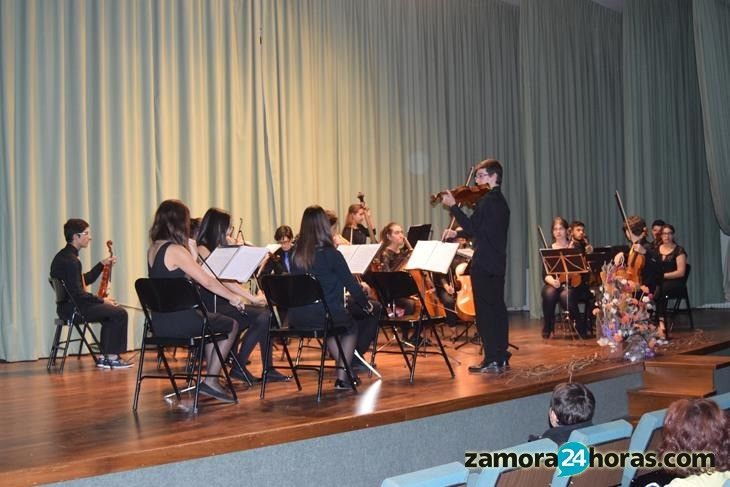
(623, 314)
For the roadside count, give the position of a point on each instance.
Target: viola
(106, 275)
(464, 195)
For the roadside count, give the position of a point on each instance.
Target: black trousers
(492, 320)
(113, 321)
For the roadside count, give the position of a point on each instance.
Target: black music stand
(418, 232)
(565, 263)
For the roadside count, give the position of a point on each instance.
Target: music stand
(565, 263)
(418, 232)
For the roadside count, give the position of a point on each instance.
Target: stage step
(667, 379)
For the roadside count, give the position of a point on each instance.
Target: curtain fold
(666, 168)
(570, 66)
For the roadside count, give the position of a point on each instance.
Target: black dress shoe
(344, 385)
(494, 367)
(209, 391)
(275, 376)
(244, 375)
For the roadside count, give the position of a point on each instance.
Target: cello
(106, 275)
(634, 265)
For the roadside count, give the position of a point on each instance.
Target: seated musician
(280, 261)
(674, 268)
(214, 228)
(354, 230)
(113, 318)
(553, 291)
(366, 323)
(656, 232)
(642, 262)
(581, 293)
(445, 283)
(394, 253)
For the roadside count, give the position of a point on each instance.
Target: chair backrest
(643, 437)
(722, 400)
(168, 295)
(59, 288)
(686, 273)
(613, 436)
(393, 285)
(505, 476)
(286, 291)
(454, 473)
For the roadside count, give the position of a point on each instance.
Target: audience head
(572, 403)
(314, 231)
(284, 236)
(637, 226)
(74, 228)
(491, 166)
(559, 228)
(172, 222)
(697, 425)
(214, 228)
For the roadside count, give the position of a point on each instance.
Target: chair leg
(266, 365)
(291, 364)
(443, 354)
(54, 345)
(223, 368)
(320, 375)
(419, 330)
(66, 344)
(137, 387)
(402, 348)
(689, 311)
(198, 374)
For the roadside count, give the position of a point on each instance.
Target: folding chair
(284, 293)
(391, 286)
(162, 296)
(679, 295)
(74, 321)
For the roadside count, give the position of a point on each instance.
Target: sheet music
(466, 252)
(432, 255)
(236, 263)
(273, 247)
(359, 257)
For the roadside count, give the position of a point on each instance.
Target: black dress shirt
(67, 267)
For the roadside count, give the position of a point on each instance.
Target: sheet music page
(467, 252)
(244, 263)
(432, 255)
(273, 247)
(218, 260)
(359, 257)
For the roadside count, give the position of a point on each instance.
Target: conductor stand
(569, 265)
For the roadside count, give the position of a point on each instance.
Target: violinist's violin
(106, 274)
(464, 195)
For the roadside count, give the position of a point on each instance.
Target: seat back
(64, 297)
(606, 437)
(167, 295)
(505, 476)
(454, 473)
(287, 291)
(393, 285)
(646, 437)
(722, 400)
(59, 289)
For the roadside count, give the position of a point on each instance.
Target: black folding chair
(74, 321)
(391, 286)
(284, 293)
(678, 295)
(162, 296)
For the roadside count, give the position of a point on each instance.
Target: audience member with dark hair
(571, 408)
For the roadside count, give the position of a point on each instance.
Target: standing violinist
(66, 266)
(488, 225)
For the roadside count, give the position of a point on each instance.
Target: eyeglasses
(85, 233)
(284, 241)
(481, 175)
(667, 233)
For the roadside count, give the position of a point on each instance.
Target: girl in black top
(673, 260)
(172, 255)
(316, 254)
(214, 229)
(354, 230)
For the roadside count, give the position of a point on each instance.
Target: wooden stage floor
(80, 424)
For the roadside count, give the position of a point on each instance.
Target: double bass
(371, 231)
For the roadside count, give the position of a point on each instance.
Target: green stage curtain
(666, 167)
